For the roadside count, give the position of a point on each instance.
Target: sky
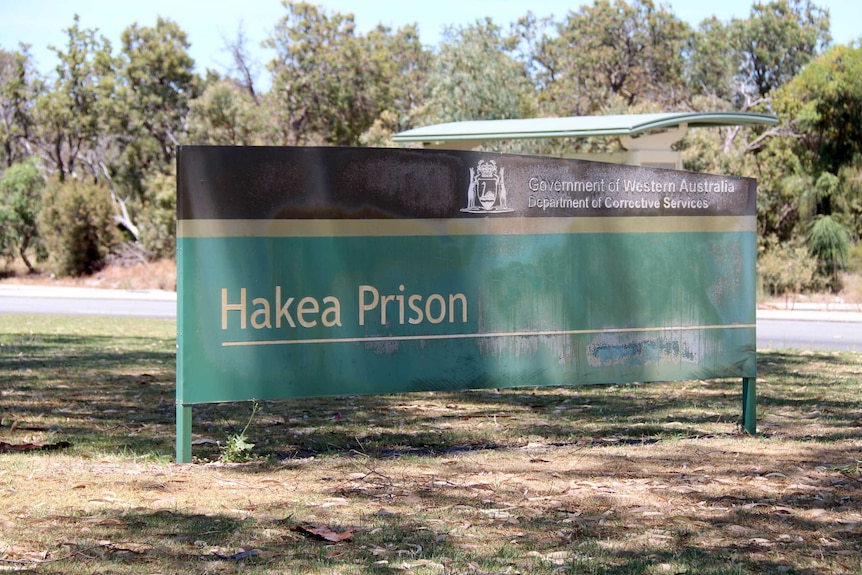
(210, 23)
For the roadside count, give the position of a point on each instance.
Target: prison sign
(344, 271)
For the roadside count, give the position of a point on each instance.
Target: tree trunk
(23, 251)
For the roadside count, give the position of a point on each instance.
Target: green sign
(344, 271)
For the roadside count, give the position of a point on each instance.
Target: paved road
(811, 335)
(802, 328)
(810, 328)
(87, 301)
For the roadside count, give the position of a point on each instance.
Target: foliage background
(111, 117)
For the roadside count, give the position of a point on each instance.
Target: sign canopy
(576, 126)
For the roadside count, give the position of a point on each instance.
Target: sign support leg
(184, 433)
(749, 404)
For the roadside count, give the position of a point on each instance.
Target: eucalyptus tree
(158, 85)
(329, 82)
(822, 108)
(402, 66)
(710, 63)
(629, 50)
(475, 76)
(18, 86)
(742, 65)
(773, 44)
(245, 68)
(70, 115)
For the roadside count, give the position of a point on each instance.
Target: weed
(850, 469)
(237, 449)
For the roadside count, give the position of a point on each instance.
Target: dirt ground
(161, 275)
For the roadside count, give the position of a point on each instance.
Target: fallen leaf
(325, 533)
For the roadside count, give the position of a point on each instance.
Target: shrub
(20, 190)
(785, 268)
(157, 217)
(854, 261)
(78, 227)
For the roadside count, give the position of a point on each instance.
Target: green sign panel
(343, 271)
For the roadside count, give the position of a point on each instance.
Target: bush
(785, 268)
(20, 190)
(854, 263)
(157, 217)
(78, 227)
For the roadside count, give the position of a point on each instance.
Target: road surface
(810, 328)
(87, 301)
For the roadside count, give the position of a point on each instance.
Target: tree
(331, 84)
(158, 220)
(243, 64)
(70, 115)
(631, 50)
(474, 77)
(225, 115)
(710, 65)
(17, 93)
(159, 85)
(20, 199)
(774, 44)
(811, 171)
(822, 107)
(742, 65)
(403, 66)
(821, 146)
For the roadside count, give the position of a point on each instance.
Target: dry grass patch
(161, 275)
(653, 478)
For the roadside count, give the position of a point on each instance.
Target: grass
(646, 479)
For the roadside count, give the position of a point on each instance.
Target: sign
(344, 271)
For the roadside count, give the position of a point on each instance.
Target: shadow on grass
(539, 543)
(101, 393)
(117, 394)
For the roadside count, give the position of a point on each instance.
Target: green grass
(620, 479)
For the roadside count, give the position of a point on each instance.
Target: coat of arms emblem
(487, 192)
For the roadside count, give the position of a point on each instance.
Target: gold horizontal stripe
(483, 335)
(461, 226)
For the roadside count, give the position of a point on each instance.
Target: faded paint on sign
(608, 349)
(331, 271)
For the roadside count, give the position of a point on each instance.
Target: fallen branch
(33, 446)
